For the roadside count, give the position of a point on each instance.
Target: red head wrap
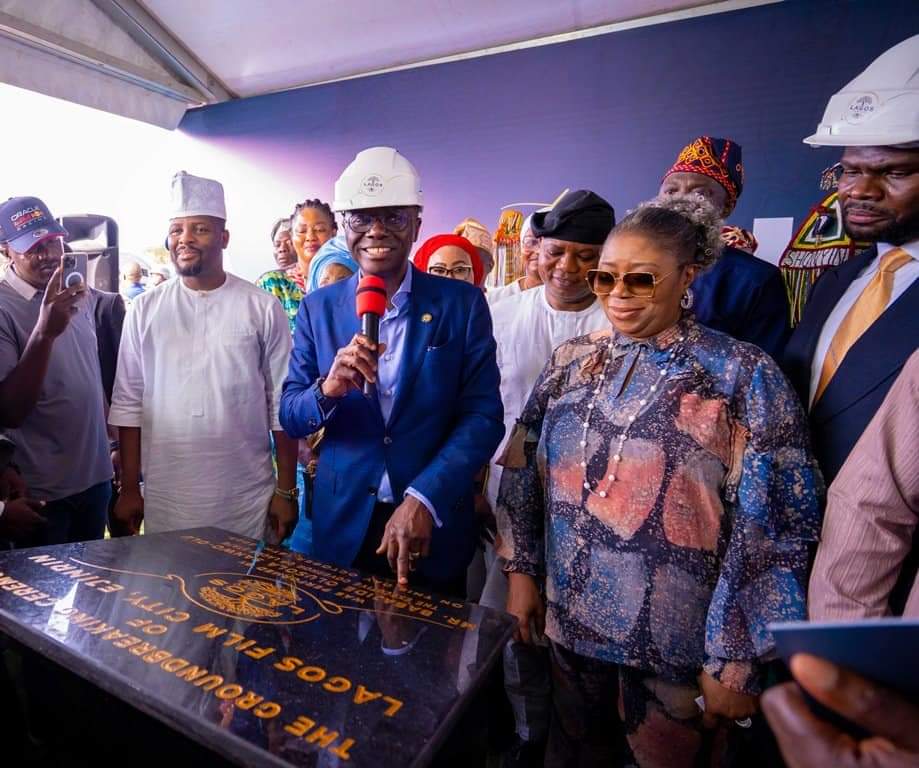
(432, 244)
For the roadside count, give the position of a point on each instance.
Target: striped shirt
(866, 549)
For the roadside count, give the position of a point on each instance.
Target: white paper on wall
(773, 236)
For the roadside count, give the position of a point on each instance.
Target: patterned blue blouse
(704, 536)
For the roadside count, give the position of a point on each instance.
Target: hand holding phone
(887, 722)
(73, 269)
(59, 304)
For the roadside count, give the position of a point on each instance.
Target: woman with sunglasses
(450, 256)
(660, 480)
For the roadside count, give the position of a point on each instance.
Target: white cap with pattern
(196, 196)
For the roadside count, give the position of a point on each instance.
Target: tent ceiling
(151, 59)
(74, 50)
(285, 44)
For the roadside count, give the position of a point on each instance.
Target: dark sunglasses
(395, 220)
(640, 284)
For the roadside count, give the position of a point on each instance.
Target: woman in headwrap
(661, 481)
(450, 256)
(332, 262)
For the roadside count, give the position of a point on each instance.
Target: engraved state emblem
(372, 185)
(250, 598)
(862, 107)
(255, 598)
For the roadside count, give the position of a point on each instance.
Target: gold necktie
(867, 308)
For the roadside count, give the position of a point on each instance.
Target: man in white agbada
(200, 370)
(528, 327)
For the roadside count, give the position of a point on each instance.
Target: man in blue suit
(741, 295)
(393, 488)
(861, 320)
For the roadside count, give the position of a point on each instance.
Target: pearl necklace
(623, 436)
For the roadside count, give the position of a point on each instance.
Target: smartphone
(881, 650)
(73, 269)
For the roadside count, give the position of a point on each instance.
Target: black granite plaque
(264, 656)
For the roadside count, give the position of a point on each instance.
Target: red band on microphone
(371, 296)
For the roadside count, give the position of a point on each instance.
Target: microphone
(371, 306)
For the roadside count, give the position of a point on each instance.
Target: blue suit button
(387, 440)
(372, 490)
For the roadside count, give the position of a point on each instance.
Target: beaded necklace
(623, 436)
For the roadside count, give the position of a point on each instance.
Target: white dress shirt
(200, 372)
(903, 278)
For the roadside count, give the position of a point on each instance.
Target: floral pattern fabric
(285, 289)
(702, 540)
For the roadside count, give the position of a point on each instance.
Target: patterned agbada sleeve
(774, 495)
(521, 496)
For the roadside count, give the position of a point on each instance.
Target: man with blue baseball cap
(51, 396)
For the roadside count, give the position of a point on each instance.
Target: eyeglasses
(641, 284)
(460, 272)
(395, 220)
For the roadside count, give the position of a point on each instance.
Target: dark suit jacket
(867, 371)
(446, 420)
(109, 314)
(744, 297)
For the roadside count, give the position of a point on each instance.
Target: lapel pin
(427, 317)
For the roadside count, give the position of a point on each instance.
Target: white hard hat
(880, 107)
(376, 178)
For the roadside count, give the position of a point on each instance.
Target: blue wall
(608, 113)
